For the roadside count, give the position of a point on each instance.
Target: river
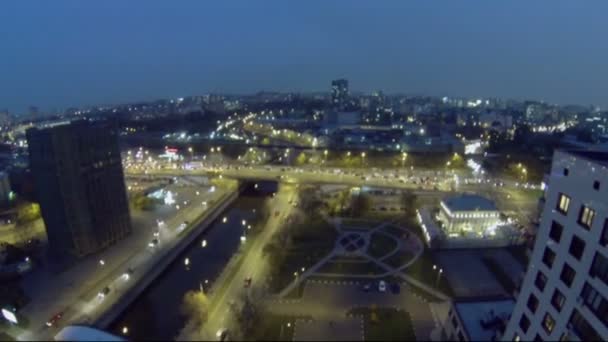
(155, 315)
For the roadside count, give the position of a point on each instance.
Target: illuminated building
(468, 213)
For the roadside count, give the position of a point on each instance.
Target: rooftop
(600, 157)
(469, 203)
(481, 319)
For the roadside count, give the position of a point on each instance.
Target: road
(397, 178)
(80, 302)
(230, 286)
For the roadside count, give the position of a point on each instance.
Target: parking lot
(330, 300)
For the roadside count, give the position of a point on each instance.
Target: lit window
(548, 323)
(585, 217)
(563, 203)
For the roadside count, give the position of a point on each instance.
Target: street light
(101, 262)
(125, 330)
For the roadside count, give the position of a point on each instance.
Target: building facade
(339, 93)
(564, 295)
(5, 188)
(467, 213)
(80, 186)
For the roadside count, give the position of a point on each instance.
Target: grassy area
(380, 245)
(273, 328)
(348, 223)
(399, 258)
(501, 276)
(383, 324)
(347, 268)
(422, 270)
(395, 231)
(299, 246)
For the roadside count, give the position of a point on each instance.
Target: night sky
(56, 54)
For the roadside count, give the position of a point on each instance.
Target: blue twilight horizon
(62, 53)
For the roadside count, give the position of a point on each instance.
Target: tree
(360, 205)
(143, 202)
(195, 306)
(28, 212)
(409, 202)
(301, 159)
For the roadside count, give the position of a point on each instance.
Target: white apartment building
(564, 295)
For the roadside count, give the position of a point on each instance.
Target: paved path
(412, 244)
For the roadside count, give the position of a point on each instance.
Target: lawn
(347, 268)
(273, 328)
(399, 258)
(380, 245)
(308, 243)
(388, 325)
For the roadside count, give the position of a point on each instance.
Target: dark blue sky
(60, 53)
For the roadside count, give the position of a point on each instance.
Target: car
(222, 334)
(367, 287)
(395, 288)
(56, 317)
(248, 282)
(153, 243)
(106, 290)
(382, 286)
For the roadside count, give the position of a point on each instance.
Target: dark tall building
(80, 186)
(339, 93)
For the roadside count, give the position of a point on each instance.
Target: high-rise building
(339, 93)
(80, 186)
(564, 295)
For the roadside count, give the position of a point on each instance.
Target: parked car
(382, 286)
(247, 282)
(56, 317)
(367, 287)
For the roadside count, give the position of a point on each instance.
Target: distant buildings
(80, 187)
(564, 295)
(5, 189)
(468, 214)
(339, 93)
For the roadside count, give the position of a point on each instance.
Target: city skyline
(471, 49)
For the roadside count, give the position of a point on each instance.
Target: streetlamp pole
(438, 276)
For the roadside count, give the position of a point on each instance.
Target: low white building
(468, 214)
